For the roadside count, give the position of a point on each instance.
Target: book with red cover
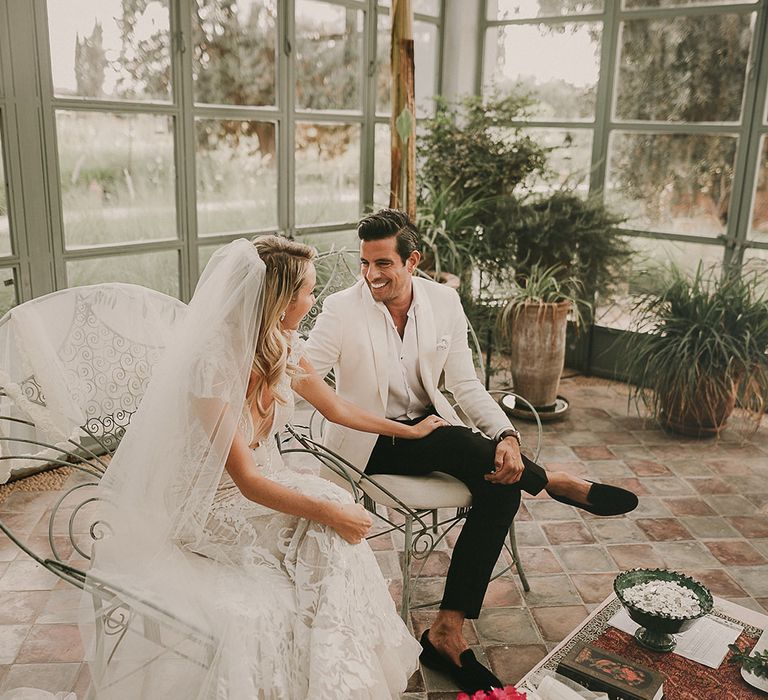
(621, 678)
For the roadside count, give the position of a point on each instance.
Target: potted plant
(701, 348)
(533, 324)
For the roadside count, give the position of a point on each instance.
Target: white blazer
(350, 336)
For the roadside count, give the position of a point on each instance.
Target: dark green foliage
(699, 337)
(575, 235)
(468, 153)
(755, 663)
(472, 140)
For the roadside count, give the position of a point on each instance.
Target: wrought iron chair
(87, 368)
(74, 365)
(415, 501)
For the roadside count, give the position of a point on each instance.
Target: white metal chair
(75, 364)
(416, 500)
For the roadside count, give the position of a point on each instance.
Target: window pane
(570, 157)
(684, 69)
(234, 58)
(333, 240)
(110, 49)
(642, 273)
(383, 63)
(756, 260)
(425, 39)
(236, 169)
(117, 177)
(558, 64)
(423, 7)
(522, 9)
(5, 223)
(8, 295)
(634, 4)
(674, 183)
(327, 173)
(758, 230)
(382, 166)
(425, 67)
(204, 253)
(158, 270)
(329, 60)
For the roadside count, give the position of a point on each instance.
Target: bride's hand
(352, 522)
(425, 427)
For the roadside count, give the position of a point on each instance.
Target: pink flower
(507, 693)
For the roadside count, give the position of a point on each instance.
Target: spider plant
(540, 287)
(701, 348)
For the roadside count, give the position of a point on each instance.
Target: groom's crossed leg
(467, 456)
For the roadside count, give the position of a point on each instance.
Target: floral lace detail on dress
(311, 615)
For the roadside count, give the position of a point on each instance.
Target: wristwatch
(509, 432)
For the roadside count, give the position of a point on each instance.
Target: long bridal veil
(156, 494)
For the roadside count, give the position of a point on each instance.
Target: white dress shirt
(407, 397)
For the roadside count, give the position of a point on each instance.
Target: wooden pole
(402, 193)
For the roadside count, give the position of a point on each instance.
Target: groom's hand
(508, 464)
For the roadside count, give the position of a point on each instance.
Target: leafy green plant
(753, 663)
(470, 151)
(576, 236)
(701, 343)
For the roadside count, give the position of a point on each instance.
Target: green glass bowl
(656, 628)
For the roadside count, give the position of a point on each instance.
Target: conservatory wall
(137, 137)
(659, 108)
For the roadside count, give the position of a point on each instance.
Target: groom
(391, 338)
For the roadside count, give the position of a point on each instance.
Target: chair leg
(405, 607)
(516, 555)
(434, 521)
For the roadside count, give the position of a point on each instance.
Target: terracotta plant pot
(706, 415)
(537, 350)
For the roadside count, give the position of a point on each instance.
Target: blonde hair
(287, 263)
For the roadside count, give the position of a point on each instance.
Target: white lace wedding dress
(311, 614)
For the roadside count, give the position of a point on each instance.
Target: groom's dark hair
(391, 222)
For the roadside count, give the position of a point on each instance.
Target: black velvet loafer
(603, 499)
(471, 676)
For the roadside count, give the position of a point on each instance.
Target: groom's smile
(385, 273)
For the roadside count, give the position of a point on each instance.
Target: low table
(597, 623)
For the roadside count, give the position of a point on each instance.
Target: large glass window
(672, 183)
(157, 269)
(663, 127)
(167, 143)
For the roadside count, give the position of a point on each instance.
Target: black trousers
(467, 456)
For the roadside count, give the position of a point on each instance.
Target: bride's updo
(287, 263)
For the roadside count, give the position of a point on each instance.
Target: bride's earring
(282, 317)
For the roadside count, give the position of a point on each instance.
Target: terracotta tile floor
(703, 510)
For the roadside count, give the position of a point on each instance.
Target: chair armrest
(534, 412)
(346, 470)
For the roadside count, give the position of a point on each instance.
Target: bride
(268, 565)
